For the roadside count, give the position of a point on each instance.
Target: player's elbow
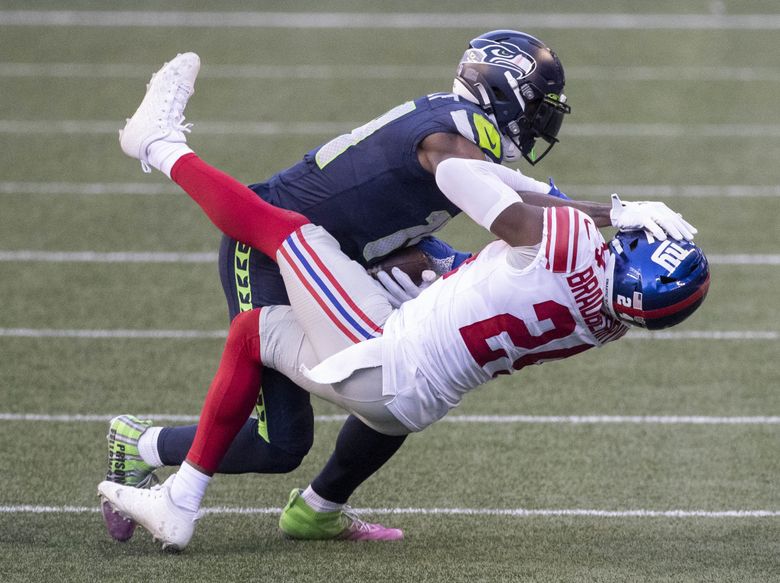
(448, 171)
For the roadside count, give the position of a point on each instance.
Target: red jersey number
(477, 335)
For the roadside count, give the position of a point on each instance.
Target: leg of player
(136, 448)
(310, 260)
(155, 135)
(128, 464)
(169, 511)
(320, 511)
(338, 304)
(277, 440)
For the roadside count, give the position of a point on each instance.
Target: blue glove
(443, 257)
(555, 192)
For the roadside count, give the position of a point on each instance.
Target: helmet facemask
(541, 118)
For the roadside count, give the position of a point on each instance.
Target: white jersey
(490, 317)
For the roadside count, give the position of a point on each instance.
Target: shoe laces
(150, 481)
(177, 104)
(357, 523)
(180, 98)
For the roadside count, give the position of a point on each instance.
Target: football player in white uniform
(550, 287)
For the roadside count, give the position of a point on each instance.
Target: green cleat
(301, 521)
(125, 467)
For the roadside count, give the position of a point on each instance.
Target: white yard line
(492, 419)
(704, 335)
(112, 334)
(235, 128)
(386, 20)
(511, 512)
(317, 128)
(744, 259)
(614, 419)
(671, 190)
(383, 71)
(107, 257)
(93, 188)
(668, 130)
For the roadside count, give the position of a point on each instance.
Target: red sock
(233, 208)
(232, 394)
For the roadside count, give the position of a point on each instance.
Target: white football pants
(334, 304)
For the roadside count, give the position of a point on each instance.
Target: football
(410, 260)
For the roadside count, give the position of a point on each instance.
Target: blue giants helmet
(516, 79)
(654, 284)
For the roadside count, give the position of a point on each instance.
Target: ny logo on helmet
(504, 55)
(669, 255)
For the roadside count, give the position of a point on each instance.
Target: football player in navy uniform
(375, 191)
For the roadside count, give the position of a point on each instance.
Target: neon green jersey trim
(489, 139)
(262, 422)
(244, 295)
(243, 287)
(337, 146)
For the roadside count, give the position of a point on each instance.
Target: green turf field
(655, 459)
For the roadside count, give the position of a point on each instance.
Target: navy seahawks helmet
(518, 80)
(654, 284)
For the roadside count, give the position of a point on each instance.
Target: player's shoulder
(571, 240)
(458, 116)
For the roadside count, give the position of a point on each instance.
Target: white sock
(163, 155)
(319, 503)
(189, 487)
(147, 447)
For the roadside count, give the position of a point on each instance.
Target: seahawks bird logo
(504, 55)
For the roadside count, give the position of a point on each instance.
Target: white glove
(655, 217)
(400, 287)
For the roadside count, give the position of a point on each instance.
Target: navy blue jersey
(368, 189)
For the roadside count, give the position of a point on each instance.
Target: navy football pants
(284, 432)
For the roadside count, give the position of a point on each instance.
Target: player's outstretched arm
(438, 147)
(483, 196)
(483, 190)
(598, 211)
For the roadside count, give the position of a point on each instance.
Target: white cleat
(154, 510)
(161, 113)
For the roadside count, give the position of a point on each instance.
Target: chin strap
(511, 152)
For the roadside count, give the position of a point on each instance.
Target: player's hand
(555, 191)
(400, 288)
(444, 257)
(654, 217)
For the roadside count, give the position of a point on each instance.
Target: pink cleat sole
(360, 530)
(119, 528)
